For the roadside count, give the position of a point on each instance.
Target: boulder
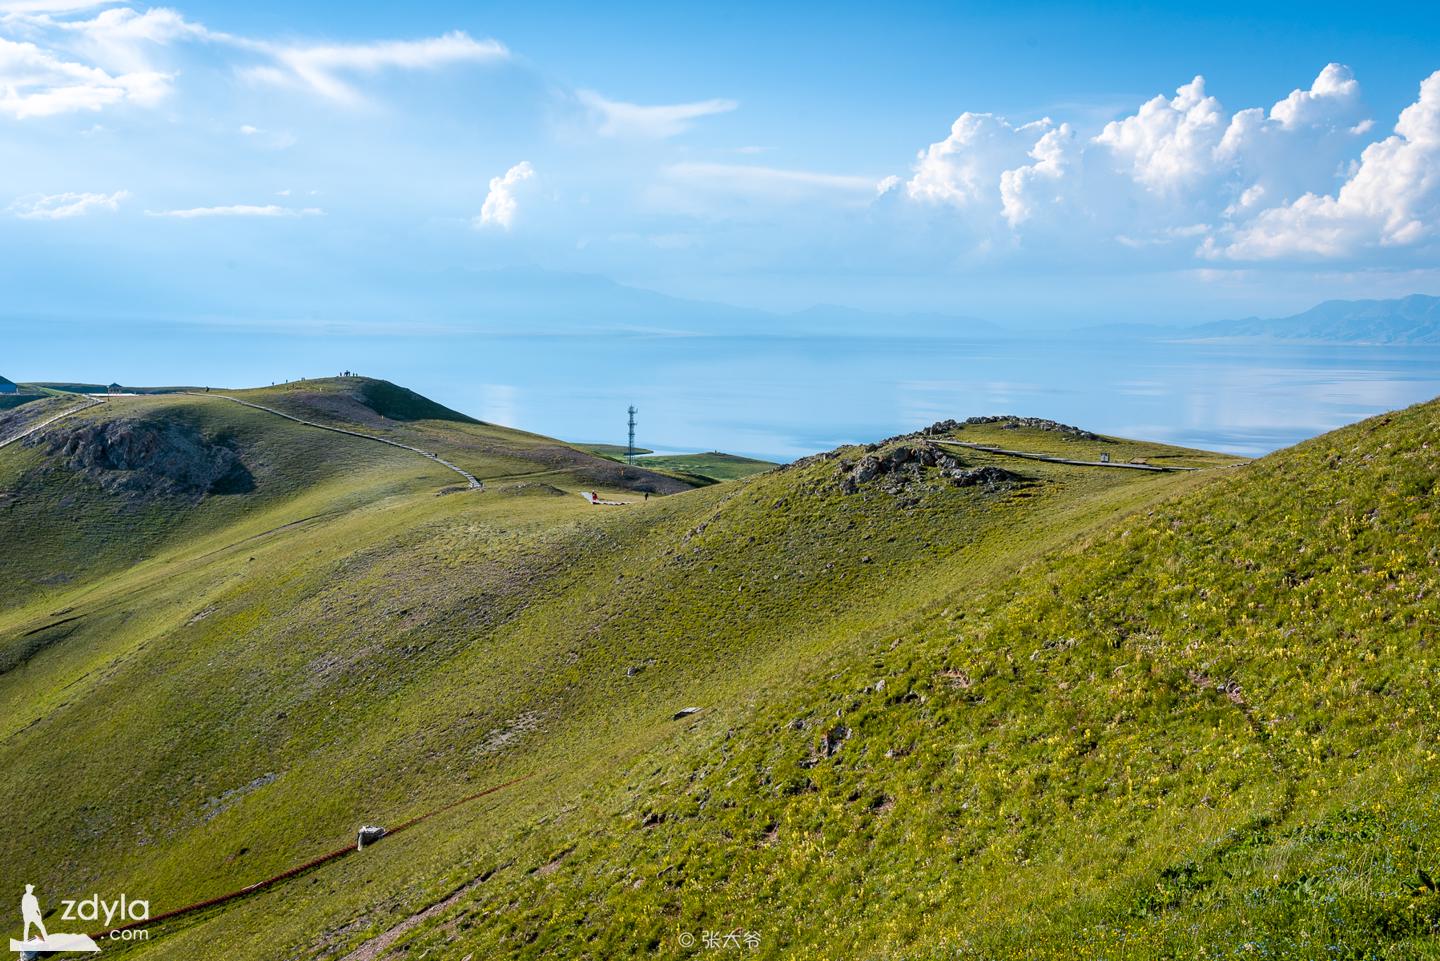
(867, 469)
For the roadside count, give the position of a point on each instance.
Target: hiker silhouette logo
(43, 942)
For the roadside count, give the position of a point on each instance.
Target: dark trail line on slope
(89, 403)
(470, 479)
(306, 866)
(1061, 460)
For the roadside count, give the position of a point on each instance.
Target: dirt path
(313, 863)
(1062, 460)
(470, 479)
(373, 949)
(89, 403)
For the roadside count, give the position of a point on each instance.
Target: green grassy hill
(612, 450)
(952, 703)
(713, 466)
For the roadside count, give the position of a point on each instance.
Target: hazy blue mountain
(1412, 320)
(529, 300)
(1409, 320)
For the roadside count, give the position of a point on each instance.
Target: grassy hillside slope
(488, 451)
(1208, 730)
(63, 527)
(1033, 710)
(714, 465)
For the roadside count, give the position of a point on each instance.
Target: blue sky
(318, 163)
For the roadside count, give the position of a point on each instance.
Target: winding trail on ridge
(470, 479)
(36, 428)
(988, 449)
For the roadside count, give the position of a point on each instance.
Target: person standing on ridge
(30, 910)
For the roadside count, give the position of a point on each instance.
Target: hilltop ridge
(1060, 711)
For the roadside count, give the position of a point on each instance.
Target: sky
(383, 166)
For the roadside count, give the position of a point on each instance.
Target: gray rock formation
(147, 458)
(1012, 422)
(902, 469)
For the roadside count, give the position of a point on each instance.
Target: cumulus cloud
(1333, 90)
(1184, 173)
(501, 203)
(1024, 189)
(616, 118)
(1298, 146)
(1391, 200)
(238, 210)
(1168, 143)
(66, 205)
(964, 169)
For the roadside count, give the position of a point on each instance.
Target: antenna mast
(630, 451)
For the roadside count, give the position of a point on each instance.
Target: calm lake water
(782, 397)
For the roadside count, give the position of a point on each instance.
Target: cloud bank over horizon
(141, 129)
(1300, 180)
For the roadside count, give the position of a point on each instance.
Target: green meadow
(1056, 712)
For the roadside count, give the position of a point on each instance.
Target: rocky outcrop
(902, 468)
(1011, 422)
(145, 459)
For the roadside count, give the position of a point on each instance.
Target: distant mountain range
(1413, 320)
(545, 301)
(536, 301)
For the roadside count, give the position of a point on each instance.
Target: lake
(783, 397)
(780, 397)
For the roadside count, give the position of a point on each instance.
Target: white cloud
(990, 169)
(238, 210)
(66, 205)
(769, 181)
(122, 39)
(267, 139)
(55, 59)
(501, 203)
(1299, 146)
(322, 68)
(964, 169)
(33, 7)
(1336, 86)
(1168, 144)
(1182, 173)
(1025, 188)
(1391, 200)
(616, 118)
(35, 82)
